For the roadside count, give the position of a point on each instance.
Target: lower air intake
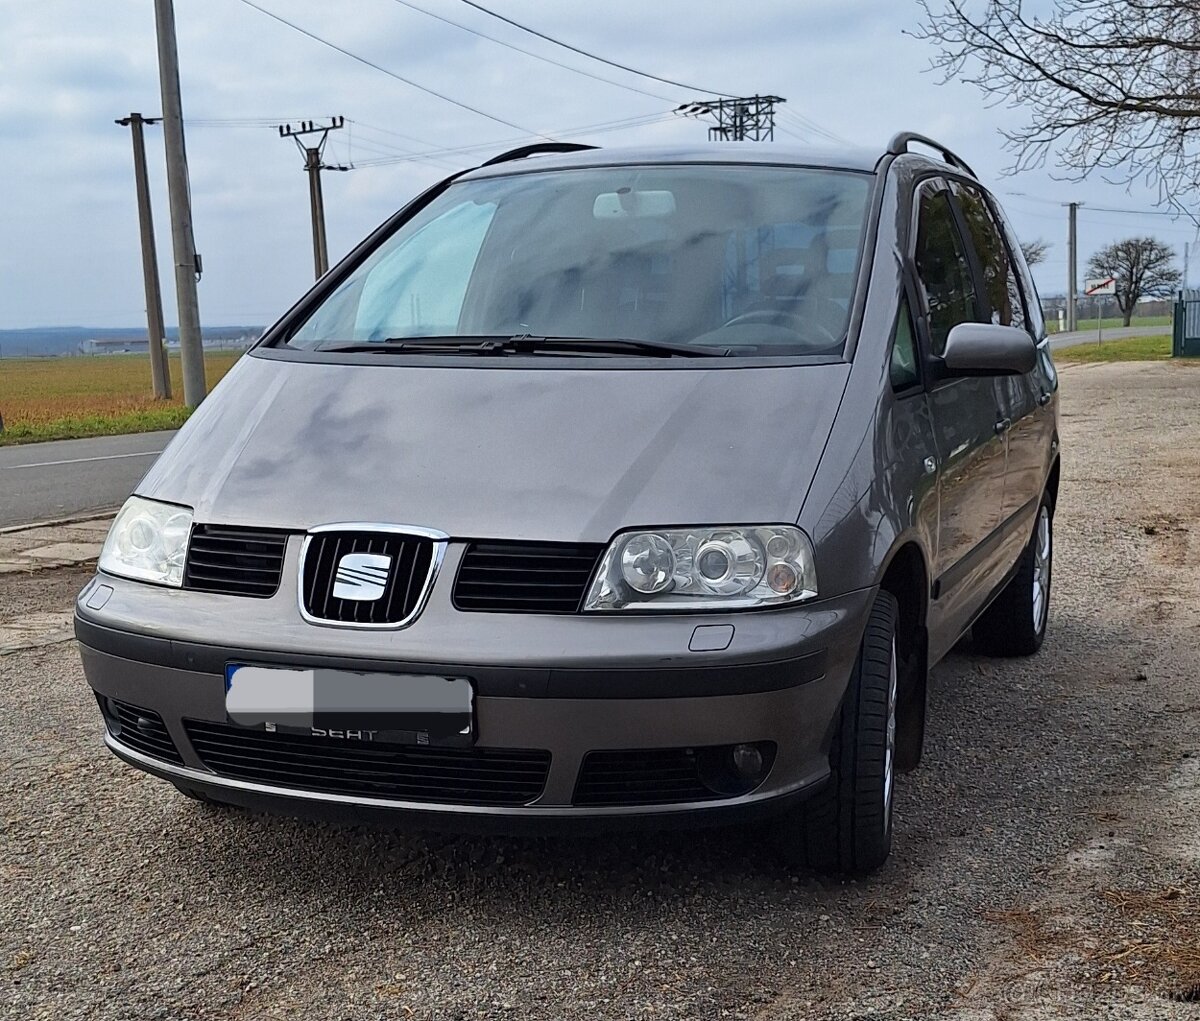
(449, 776)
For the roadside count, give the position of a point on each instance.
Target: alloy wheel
(1041, 569)
(889, 761)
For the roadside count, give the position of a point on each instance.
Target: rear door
(965, 413)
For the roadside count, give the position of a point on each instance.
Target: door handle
(1044, 399)
(1002, 425)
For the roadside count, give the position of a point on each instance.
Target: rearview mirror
(981, 349)
(629, 204)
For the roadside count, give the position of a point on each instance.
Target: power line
(486, 146)
(434, 153)
(592, 56)
(603, 126)
(808, 124)
(531, 53)
(392, 74)
(1177, 215)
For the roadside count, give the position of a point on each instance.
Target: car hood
(516, 452)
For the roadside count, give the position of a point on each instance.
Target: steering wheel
(773, 317)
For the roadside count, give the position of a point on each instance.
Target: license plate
(395, 708)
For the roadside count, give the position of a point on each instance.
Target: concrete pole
(1072, 276)
(312, 164)
(159, 376)
(182, 243)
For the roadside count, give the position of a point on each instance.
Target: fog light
(747, 761)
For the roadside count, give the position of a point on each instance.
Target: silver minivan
(601, 487)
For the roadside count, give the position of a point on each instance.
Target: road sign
(1100, 285)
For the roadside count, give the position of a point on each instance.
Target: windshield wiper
(423, 345)
(526, 344)
(616, 346)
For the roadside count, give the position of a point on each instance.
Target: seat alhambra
(601, 487)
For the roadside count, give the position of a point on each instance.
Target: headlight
(148, 541)
(704, 569)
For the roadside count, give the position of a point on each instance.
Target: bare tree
(1109, 85)
(1035, 251)
(1142, 268)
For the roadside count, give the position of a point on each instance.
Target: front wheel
(1015, 623)
(846, 827)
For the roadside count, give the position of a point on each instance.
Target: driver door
(967, 422)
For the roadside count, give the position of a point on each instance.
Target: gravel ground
(1047, 860)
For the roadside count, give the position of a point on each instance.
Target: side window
(1035, 324)
(942, 269)
(1001, 293)
(904, 372)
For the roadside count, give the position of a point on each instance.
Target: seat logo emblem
(361, 576)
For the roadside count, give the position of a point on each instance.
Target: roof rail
(898, 146)
(537, 147)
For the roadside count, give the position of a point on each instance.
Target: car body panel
(480, 452)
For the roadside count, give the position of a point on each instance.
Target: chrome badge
(361, 576)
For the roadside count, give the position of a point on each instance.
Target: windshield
(744, 259)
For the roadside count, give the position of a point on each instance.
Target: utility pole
(1186, 258)
(1072, 243)
(159, 376)
(183, 245)
(313, 165)
(749, 119)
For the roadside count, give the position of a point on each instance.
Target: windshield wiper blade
(615, 346)
(425, 345)
(527, 344)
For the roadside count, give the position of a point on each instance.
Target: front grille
(453, 776)
(404, 583)
(651, 776)
(235, 561)
(523, 577)
(139, 729)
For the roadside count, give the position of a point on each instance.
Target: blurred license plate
(396, 708)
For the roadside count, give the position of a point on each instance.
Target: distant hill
(49, 341)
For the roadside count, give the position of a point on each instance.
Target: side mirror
(981, 349)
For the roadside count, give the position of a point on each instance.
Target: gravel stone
(1055, 792)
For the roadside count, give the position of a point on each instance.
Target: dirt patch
(41, 591)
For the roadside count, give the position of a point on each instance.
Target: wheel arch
(1052, 483)
(906, 577)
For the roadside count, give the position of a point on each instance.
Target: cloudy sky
(68, 68)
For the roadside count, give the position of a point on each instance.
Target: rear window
(759, 260)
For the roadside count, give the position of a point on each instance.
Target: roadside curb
(74, 519)
(66, 542)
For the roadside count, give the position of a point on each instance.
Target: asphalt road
(39, 481)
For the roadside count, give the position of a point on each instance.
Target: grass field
(1131, 349)
(64, 398)
(1116, 323)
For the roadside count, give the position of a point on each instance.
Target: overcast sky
(68, 68)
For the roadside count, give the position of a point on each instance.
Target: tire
(846, 827)
(1015, 623)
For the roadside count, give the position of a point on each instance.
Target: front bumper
(565, 686)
